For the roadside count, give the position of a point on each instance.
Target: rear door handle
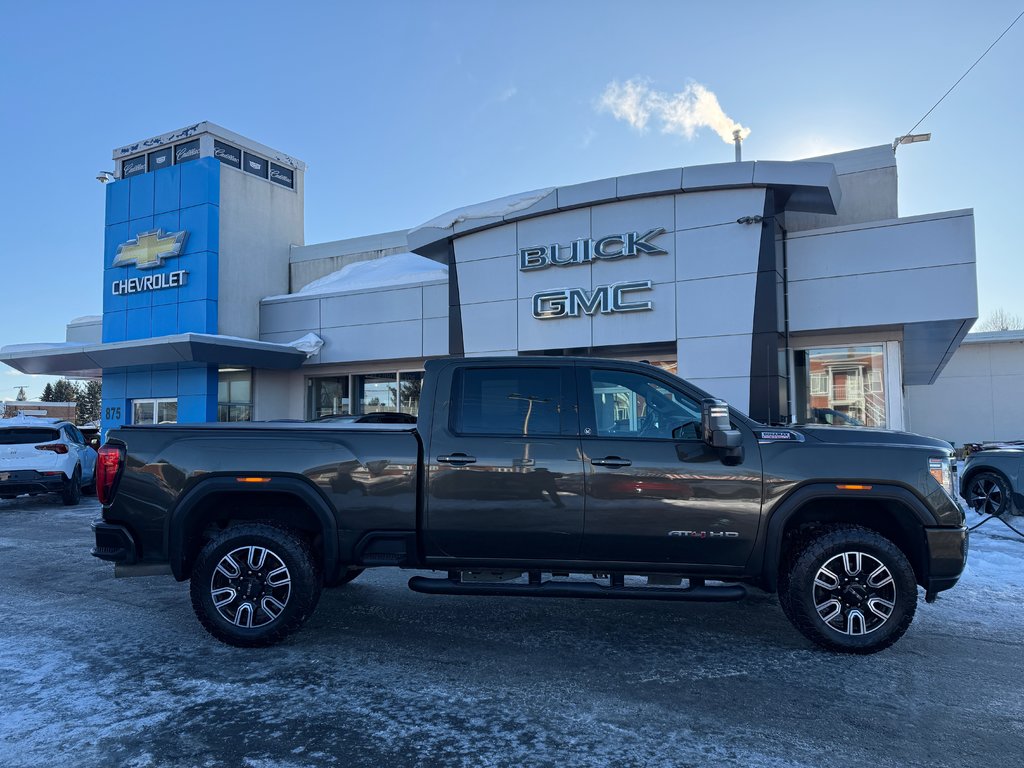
(611, 461)
(457, 459)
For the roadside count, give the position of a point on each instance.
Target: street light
(910, 138)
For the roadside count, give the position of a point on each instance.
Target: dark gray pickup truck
(540, 477)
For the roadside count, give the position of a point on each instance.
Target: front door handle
(457, 459)
(611, 461)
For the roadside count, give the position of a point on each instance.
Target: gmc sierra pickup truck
(540, 477)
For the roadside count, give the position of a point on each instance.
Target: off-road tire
(71, 488)
(284, 548)
(797, 588)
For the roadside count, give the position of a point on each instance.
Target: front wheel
(850, 589)
(254, 584)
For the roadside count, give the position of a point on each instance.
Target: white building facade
(791, 289)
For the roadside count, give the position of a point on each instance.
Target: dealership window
(392, 392)
(328, 396)
(155, 411)
(843, 386)
(234, 394)
(377, 392)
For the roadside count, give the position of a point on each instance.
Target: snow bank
(388, 271)
(491, 209)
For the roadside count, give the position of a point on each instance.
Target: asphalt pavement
(102, 672)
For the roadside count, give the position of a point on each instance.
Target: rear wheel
(71, 488)
(988, 494)
(254, 584)
(849, 589)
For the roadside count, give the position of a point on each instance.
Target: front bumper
(18, 481)
(946, 558)
(114, 543)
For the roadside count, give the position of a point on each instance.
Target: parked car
(993, 479)
(521, 471)
(45, 456)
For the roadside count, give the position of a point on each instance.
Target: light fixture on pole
(910, 138)
(104, 176)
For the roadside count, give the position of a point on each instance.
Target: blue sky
(403, 110)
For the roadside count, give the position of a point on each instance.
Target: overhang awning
(68, 359)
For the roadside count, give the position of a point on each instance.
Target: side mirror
(716, 429)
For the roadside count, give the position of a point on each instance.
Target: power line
(965, 74)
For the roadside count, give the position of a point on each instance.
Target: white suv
(45, 456)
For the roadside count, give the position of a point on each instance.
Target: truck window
(632, 405)
(507, 401)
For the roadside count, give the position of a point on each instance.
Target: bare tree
(1001, 320)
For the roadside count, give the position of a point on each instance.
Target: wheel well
(887, 517)
(969, 475)
(217, 511)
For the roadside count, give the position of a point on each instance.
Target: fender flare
(795, 501)
(300, 488)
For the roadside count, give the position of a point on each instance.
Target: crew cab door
(504, 468)
(656, 492)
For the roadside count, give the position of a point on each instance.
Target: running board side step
(703, 594)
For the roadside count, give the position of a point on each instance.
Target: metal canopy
(90, 359)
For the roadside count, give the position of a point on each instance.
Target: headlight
(941, 470)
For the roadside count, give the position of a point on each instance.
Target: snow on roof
(399, 269)
(41, 346)
(490, 209)
(86, 320)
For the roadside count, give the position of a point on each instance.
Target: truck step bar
(696, 593)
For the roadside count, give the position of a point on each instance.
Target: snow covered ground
(98, 672)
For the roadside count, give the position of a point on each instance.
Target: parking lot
(103, 672)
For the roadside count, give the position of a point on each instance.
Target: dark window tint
(508, 401)
(161, 158)
(281, 175)
(133, 167)
(28, 436)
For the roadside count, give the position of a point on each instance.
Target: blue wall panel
(167, 189)
(185, 197)
(117, 201)
(140, 199)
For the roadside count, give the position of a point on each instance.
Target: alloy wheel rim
(250, 587)
(854, 593)
(986, 496)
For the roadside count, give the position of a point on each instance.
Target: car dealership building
(792, 289)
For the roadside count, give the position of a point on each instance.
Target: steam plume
(680, 113)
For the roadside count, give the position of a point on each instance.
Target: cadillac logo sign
(148, 250)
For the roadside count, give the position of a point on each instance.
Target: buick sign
(584, 251)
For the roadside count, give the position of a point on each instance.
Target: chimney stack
(736, 138)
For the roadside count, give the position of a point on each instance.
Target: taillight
(108, 466)
(55, 447)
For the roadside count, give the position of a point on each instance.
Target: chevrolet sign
(149, 249)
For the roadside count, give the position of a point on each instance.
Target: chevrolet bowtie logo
(149, 249)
